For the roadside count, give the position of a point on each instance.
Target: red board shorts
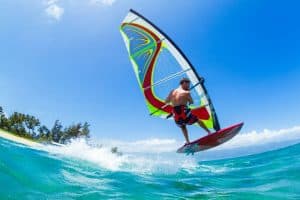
(183, 116)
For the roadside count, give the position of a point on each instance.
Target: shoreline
(12, 137)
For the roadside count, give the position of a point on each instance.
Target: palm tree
(44, 133)
(31, 123)
(85, 130)
(56, 131)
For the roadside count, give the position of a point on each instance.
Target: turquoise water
(80, 171)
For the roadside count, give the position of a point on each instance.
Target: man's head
(185, 83)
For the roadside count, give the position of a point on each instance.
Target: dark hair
(184, 80)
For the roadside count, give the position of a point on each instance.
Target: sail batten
(159, 65)
(167, 78)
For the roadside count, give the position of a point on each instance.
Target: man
(180, 98)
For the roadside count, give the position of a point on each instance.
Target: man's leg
(203, 126)
(185, 133)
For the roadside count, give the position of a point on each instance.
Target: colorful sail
(159, 65)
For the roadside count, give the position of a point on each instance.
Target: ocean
(263, 165)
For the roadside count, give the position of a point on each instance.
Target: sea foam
(158, 155)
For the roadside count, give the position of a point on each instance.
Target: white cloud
(152, 145)
(257, 140)
(265, 137)
(103, 2)
(50, 2)
(53, 10)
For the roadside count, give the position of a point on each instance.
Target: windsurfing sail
(159, 65)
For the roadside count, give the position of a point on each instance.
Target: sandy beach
(17, 139)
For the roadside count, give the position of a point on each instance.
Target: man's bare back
(179, 97)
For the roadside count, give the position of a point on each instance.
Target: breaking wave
(158, 155)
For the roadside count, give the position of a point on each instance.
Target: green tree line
(30, 127)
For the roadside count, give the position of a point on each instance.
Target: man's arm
(168, 99)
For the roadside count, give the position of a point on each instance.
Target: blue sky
(66, 60)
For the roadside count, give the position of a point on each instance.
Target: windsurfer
(180, 98)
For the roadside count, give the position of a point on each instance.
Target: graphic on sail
(159, 65)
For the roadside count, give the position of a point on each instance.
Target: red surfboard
(212, 140)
